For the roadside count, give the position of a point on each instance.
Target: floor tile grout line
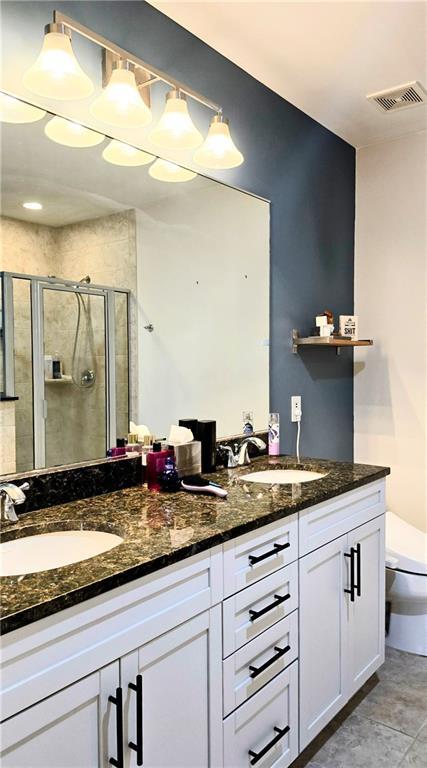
(386, 725)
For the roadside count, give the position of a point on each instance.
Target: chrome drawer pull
(253, 559)
(255, 671)
(256, 756)
(253, 615)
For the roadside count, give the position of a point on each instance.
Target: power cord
(298, 439)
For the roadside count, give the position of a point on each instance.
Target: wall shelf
(335, 342)
(62, 380)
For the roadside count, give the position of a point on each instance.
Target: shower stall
(64, 354)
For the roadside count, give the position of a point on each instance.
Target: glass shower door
(73, 366)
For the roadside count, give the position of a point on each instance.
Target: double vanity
(210, 633)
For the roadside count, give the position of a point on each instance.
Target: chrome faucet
(240, 456)
(10, 496)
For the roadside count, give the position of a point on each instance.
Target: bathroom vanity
(219, 633)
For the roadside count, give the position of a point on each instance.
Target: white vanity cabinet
(232, 658)
(341, 612)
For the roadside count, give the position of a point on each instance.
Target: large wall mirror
(123, 297)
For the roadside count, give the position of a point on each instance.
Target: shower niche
(65, 357)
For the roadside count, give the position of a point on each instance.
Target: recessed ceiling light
(32, 206)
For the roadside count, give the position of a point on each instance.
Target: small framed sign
(349, 326)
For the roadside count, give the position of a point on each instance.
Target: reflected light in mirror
(56, 73)
(71, 134)
(164, 170)
(119, 153)
(176, 129)
(120, 103)
(218, 150)
(15, 111)
(32, 206)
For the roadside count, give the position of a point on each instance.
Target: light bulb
(71, 134)
(176, 129)
(119, 153)
(32, 206)
(218, 150)
(120, 103)
(164, 170)
(56, 74)
(15, 111)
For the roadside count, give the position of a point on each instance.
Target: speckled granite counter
(160, 529)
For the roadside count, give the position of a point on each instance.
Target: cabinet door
(74, 728)
(323, 637)
(366, 613)
(174, 717)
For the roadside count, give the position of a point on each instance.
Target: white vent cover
(401, 97)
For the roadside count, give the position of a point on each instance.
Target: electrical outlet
(296, 411)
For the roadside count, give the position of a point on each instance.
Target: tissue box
(188, 458)
(349, 326)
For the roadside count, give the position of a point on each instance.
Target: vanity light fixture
(164, 170)
(218, 150)
(56, 74)
(120, 103)
(71, 134)
(176, 129)
(32, 206)
(119, 153)
(15, 111)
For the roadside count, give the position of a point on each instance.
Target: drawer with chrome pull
(257, 554)
(264, 730)
(250, 612)
(254, 665)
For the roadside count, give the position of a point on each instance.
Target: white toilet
(406, 585)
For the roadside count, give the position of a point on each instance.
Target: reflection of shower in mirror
(83, 366)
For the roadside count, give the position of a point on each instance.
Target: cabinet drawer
(255, 609)
(259, 553)
(254, 665)
(327, 521)
(264, 731)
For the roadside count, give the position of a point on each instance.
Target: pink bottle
(155, 464)
(274, 434)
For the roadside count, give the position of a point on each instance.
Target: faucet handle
(24, 486)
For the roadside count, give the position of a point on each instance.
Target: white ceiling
(324, 57)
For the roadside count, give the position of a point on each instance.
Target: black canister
(207, 437)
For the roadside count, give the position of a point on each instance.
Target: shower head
(85, 279)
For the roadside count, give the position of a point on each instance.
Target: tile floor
(383, 726)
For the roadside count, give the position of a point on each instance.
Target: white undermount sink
(282, 476)
(45, 551)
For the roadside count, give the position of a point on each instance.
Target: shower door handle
(45, 409)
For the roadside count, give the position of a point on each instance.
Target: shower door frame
(37, 285)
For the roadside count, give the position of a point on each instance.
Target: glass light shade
(15, 111)
(218, 150)
(176, 129)
(119, 153)
(120, 103)
(164, 170)
(71, 134)
(56, 74)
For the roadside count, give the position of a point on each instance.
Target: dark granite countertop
(159, 529)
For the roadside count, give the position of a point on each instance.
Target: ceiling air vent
(401, 97)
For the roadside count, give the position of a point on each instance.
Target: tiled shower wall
(104, 248)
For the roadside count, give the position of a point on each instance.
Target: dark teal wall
(306, 171)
